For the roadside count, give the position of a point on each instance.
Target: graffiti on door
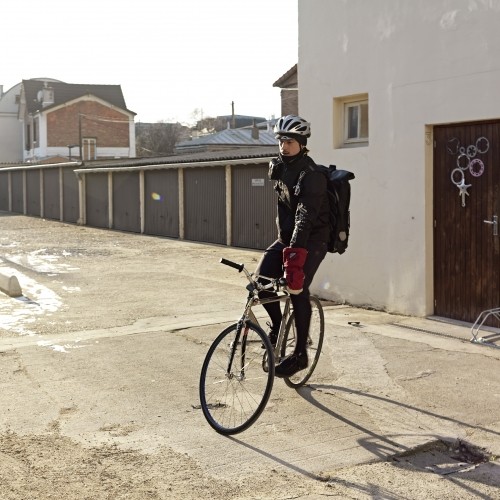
(467, 161)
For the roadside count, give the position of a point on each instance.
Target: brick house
(62, 120)
(289, 85)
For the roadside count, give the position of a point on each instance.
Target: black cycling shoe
(291, 365)
(273, 338)
(272, 334)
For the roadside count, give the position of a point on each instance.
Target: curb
(10, 286)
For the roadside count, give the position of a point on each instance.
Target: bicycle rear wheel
(234, 383)
(314, 343)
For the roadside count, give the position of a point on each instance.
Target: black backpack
(339, 196)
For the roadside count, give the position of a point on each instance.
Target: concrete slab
(100, 370)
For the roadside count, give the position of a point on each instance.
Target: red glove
(293, 261)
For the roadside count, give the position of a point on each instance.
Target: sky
(171, 57)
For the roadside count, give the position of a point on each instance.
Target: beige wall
(422, 63)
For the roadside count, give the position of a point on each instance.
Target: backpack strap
(309, 168)
(297, 187)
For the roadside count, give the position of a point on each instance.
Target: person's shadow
(384, 447)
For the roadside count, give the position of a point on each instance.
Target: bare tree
(208, 124)
(157, 139)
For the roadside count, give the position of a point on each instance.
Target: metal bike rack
(476, 327)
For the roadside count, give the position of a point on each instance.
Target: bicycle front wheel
(235, 383)
(314, 342)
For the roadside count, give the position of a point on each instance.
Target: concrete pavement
(106, 344)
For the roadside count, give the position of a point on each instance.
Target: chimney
(233, 119)
(255, 130)
(1, 91)
(47, 95)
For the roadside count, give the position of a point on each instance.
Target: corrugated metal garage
(126, 201)
(51, 194)
(205, 204)
(161, 202)
(222, 201)
(4, 191)
(17, 191)
(70, 196)
(97, 200)
(253, 203)
(33, 192)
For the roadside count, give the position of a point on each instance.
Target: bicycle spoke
(314, 343)
(233, 399)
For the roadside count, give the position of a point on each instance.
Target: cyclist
(303, 233)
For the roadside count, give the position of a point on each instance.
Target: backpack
(339, 197)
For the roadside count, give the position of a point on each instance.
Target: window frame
(358, 139)
(89, 145)
(339, 119)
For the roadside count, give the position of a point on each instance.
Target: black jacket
(303, 210)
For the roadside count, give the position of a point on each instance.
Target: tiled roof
(64, 92)
(283, 80)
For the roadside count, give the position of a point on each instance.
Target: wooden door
(466, 194)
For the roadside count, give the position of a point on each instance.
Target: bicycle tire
(232, 400)
(314, 343)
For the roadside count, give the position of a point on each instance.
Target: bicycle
(237, 375)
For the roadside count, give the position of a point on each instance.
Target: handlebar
(274, 283)
(229, 263)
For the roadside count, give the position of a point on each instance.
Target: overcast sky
(169, 56)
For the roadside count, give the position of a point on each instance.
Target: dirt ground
(100, 364)
(52, 466)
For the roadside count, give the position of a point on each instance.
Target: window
(350, 121)
(356, 122)
(27, 145)
(89, 146)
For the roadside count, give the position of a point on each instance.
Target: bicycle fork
(239, 339)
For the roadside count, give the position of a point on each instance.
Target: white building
(406, 94)
(11, 129)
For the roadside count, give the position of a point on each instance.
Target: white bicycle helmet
(291, 124)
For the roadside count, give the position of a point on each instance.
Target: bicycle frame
(275, 285)
(250, 316)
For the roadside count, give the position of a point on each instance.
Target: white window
(350, 121)
(356, 122)
(89, 146)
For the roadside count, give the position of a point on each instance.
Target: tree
(157, 139)
(208, 124)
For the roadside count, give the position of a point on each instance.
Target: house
(289, 85)
(407, 96)
(11, 144)
(74, 120)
